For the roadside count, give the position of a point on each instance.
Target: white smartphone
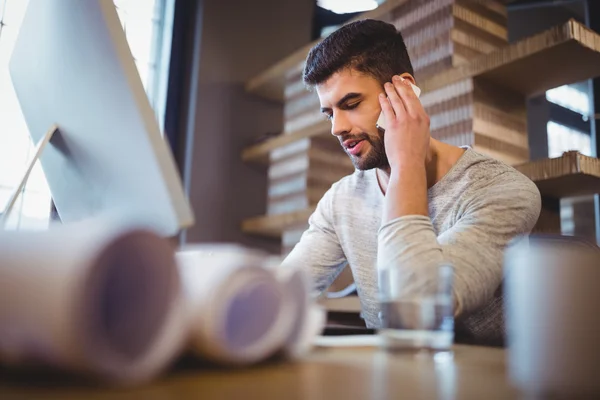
(381, 120)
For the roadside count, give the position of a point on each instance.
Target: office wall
(238, 40)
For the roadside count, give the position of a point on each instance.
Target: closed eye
(352, 106)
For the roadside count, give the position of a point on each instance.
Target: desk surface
(337, 373)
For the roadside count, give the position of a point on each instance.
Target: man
(413, 200)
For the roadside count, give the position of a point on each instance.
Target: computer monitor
(72, 66)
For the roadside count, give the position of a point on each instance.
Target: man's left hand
(407, 124)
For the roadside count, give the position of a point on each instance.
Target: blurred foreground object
(116, 303)
(242, 307)
(95, 298)
(553, 315)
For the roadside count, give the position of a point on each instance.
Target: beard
(373, 157)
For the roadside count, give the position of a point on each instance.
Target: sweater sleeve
(319, 248)
(474, 246)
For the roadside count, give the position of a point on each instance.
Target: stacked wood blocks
(439, 35)
(474, 88)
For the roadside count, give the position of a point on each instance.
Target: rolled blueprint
(235, 305)
(306, 317)
(92, 297)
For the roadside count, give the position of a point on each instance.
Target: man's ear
(409, 77)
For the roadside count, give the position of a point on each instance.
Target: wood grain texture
(300, 180)
(260, 152)
(573, 174)
(480, 22)
(492, 10)
(323, 374)
(524, 66)
(274, 225)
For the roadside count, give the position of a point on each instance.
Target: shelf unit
(475, 94)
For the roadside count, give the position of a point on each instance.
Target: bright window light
(571, 98)
(562, 138)
(348, 6)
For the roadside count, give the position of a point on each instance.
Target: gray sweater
(474, 211)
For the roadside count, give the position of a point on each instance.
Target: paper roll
(234, 304)
(305, 318)
(93, 297)
(349, 341)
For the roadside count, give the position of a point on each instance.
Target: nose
(340, 124)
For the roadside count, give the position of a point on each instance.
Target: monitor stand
(38, 151)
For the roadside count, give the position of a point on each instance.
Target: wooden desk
(359, 373)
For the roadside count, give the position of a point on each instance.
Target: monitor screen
(72, 67)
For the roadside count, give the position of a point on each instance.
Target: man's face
(349, 100)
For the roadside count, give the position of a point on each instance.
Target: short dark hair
(369, 46)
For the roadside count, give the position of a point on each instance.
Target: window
(562, 138)
(330, 14)
(348, 6)
(571, 97)
(147, 25)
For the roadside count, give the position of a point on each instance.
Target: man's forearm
(406, 192)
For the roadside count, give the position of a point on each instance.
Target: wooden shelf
(530, 65)
(274, 225)
(573, 174)
(270, 83)
(499, 65)
(527, 67)
(260, 152)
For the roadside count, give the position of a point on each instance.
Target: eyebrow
(348, 96)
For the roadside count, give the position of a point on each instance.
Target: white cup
(552, 303)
